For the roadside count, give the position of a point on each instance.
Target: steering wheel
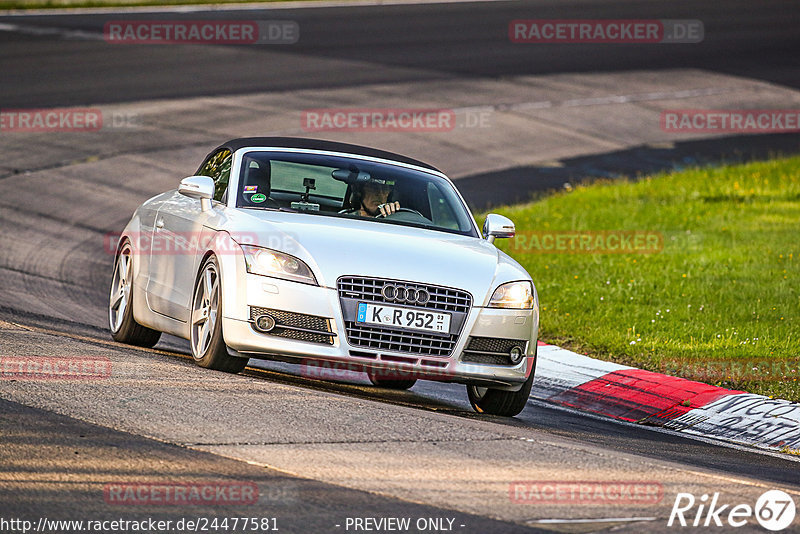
(398, 210)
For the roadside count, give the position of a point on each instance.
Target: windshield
(338, 186)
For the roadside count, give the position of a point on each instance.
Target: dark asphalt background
(371, 44)
(415, 42)
(62, 468)
(431, 41)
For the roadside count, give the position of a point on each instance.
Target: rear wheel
(499, 402)
(208, 346)
(390, 383)
(124, 327)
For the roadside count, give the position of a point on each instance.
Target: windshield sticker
(250, 188)
(258, 198)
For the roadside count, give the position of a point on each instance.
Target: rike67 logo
(774, 510)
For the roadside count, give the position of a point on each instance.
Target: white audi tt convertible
(308, 251)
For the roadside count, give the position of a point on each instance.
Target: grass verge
(718, 303)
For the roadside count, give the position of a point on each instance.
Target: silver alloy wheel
(120, 289)
(205, 308)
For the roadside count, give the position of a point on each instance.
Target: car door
(176, 247)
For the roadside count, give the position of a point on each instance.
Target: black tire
(208, 345)
(124, 327)
(390, 383)
(499, 402)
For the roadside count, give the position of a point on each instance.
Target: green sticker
(258, 197)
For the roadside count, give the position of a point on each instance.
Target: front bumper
(263, 292)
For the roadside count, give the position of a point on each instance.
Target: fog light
(265, 323)
(516, 355)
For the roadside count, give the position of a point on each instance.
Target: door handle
(160, 223)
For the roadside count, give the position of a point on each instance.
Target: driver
(372, 198)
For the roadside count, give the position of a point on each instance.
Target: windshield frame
(233, 185)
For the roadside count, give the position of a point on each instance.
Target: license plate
(403, 318)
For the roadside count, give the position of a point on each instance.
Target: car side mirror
(498, 226)
(201, 187)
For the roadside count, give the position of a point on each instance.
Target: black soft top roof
(317, 144)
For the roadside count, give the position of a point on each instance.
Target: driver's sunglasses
(379, 188)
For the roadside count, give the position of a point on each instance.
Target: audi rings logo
(408, 295)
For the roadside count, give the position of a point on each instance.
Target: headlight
(516, 295)
(277, 265)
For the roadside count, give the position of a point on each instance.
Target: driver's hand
(389, 208)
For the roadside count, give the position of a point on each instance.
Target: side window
(218, 167)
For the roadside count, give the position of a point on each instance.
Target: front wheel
(499, 402)
(208, 346)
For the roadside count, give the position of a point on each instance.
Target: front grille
(369, 290)
(354, 289)
(491, 350)
(286, 323)
(375, 337)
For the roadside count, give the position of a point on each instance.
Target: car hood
(335, 247)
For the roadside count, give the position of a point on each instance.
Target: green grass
(718, 304)
(60, 4)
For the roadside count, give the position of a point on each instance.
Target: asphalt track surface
(347, 47)
(385, 44)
